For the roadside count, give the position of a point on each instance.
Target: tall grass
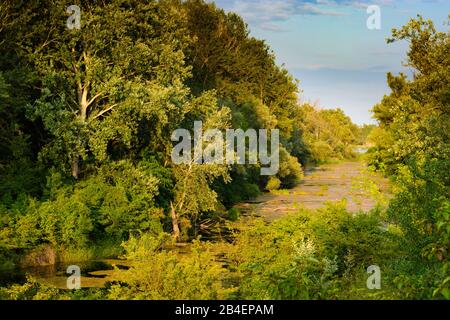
(107, 249)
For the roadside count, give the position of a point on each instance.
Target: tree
(412, 145)
(326, 134)
(123, 69)
(193, 194)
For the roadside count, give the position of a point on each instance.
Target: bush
(233, 214)
(31, 290)
(117, 201)
(144, 246)
(273, 184)
(310, 255)
(290, 173)
(355, 240)
(168, 276)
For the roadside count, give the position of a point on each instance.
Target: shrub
(273, 184)
(290, 172)
(144, 246)
(168, 276)
(309, 255)
(233, 214)
(31, 290)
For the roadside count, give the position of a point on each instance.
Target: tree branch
(93, 99)
(105, 111)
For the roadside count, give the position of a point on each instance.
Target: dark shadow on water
(19, 275)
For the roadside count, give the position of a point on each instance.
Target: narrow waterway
(351, 181)
(328, 183)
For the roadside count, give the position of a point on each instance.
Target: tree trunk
(75, 168)
(83, 106)
(175, 226)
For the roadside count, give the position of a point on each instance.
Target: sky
(328, 47)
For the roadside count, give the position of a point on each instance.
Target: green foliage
(364, 133)
(108, 248)
(290, 172)
(86, 118)
(273, 184)
(233, 214)
(167, 276)
(327, 134)
(308, 255)
(414, 118)
(412, 145)
(419, 206)
(91, 112)
(243, 178)
(144, 246)
(117, 201)
(31, 290)
(243, 72)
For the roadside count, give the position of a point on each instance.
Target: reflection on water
(93, 273)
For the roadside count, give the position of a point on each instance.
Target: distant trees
(364, 132)
(243, 72)
(326, 134)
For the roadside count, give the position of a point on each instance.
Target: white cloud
(267, 14)
(278, 10)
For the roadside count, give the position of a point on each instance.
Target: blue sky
(328, 47)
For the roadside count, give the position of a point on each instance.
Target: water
(93, 273)
(361, 150)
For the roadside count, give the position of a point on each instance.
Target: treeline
(87, 117)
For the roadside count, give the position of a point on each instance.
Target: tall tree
(124, 67)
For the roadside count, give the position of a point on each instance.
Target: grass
(107, 249)
(282, 192)
(301, 193)
(323, 190)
